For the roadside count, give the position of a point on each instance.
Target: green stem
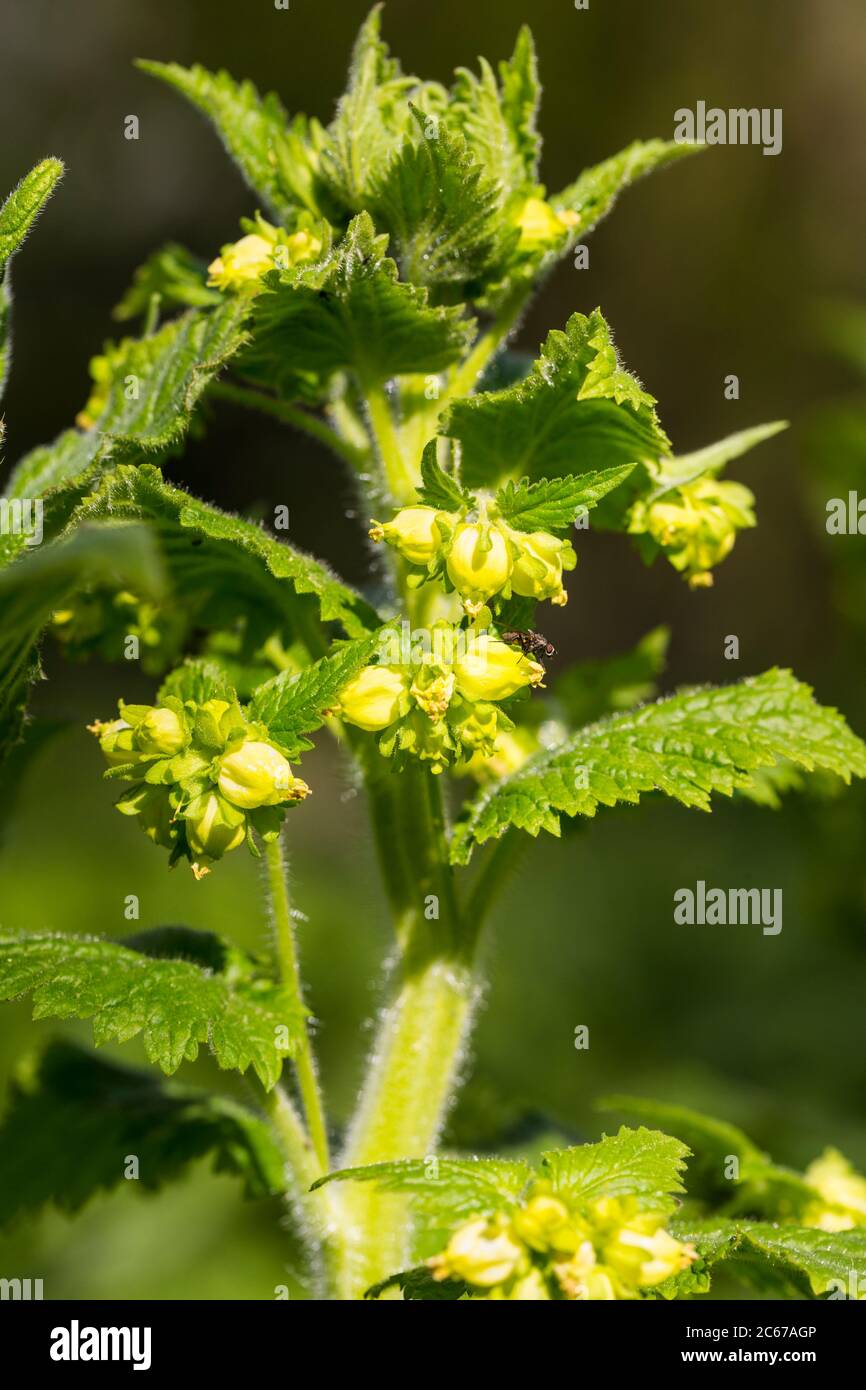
(291, 415)
(421, 1035)
(400, 480)
(467, 374)
(287, 959)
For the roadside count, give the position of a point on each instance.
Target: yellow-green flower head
(491, 670)
(477, 728)
(296, 248)
(117, 741)
(432, 687)
(642, 1253)
(537, 571)
(697, 525)
(160, 733)
(842, 1191)
(479, 562)
(256, 774)
(545, 1223)
(540, 225)
(481, 1253)
(241, 263)
(414, 532)
(375, 698)
(214, 826)
(577, 1275)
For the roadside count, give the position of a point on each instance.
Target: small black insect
(531, 644)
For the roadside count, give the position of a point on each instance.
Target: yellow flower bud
(842, 1191)
(153, 810)
(540, 226)
(537, 571)
(214, 826)
(546, 1224)
(479, 563)
(413, 533)
(481, 1253)
(160, 732)
(298, 247)
(256, 774)
(375, 698)
(241, 263)
(491, 670)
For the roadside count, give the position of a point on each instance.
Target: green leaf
(577, 411)
(438, 488)
(668, 473)
(593, 194)
(590, 689)
(351, 313)
(552, 504)
(173, 1003)
(196, 679)
(371, 117)
(175, 275)
(253, 129)
(446, 1190)
(641, 1163)
(688, 746)
(440, 207)
(206, 549)
(72, 1122)
(17, 216)
(24, 205)
(155, 382)
(761, 1187)
(790, 1260)
(37, 583)
(521, 96)
(293, 704)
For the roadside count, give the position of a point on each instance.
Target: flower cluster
(241, 264)
(99, 622)
(478, 554)
(438, 701)
(696, 524)
(611, 1249)
(841, 1201)
(204, 776)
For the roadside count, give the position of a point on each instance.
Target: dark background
(723, 264)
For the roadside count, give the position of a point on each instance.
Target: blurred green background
(724, 264)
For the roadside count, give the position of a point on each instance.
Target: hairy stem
(398, 475)
(422, 1031)
(287, 960)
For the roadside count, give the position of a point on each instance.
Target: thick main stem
(422, 1031)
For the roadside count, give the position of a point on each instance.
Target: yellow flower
(117, 741)
(540, 225)
(298, 247)
(697, 524)
(546, 1224)
(842, 1190)
(241, 262)
(414, 533)
(491, 670)
(574, 1274)
(256, 774)
(479, 563)
(539, 565)
(432, 687)
(375, 698)
(481, 1253)
(160, 732)
(644, 1254)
